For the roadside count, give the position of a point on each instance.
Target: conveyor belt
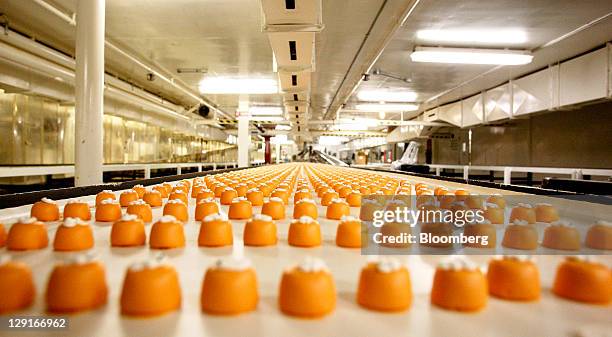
(550, 316)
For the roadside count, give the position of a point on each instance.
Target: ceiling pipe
(70, 19)
(45, 67)
(381, 122)
(53, 70)
(126, 96)
(35, 48)
(32, 46)
(38, 49)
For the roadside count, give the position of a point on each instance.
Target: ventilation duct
(294, 51)
(291, 26)
(294, 15)
(582, 80)
(294, 83)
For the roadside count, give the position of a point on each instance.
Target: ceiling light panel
(470, 56)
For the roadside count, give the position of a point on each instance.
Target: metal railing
(24, 171)
(573, 173)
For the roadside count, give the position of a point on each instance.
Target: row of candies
(152, 288)
(74, 232)
(328, 184)
(389, 193)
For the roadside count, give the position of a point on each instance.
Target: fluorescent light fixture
(332, 140)
(386, 107)
(484, 35)
(238, 85)
(281, 127)
(265, 111)
(380, 95)
(268, 118)
(471, 56)
(356, 124)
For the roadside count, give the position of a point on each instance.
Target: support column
(507, 175)
(278, 153)
(89, 92)
(243, 141)
(268, 150)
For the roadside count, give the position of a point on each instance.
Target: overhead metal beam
(358, 133)
(252, 120)
(381, 122)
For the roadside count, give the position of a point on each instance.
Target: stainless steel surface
(39, 131)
